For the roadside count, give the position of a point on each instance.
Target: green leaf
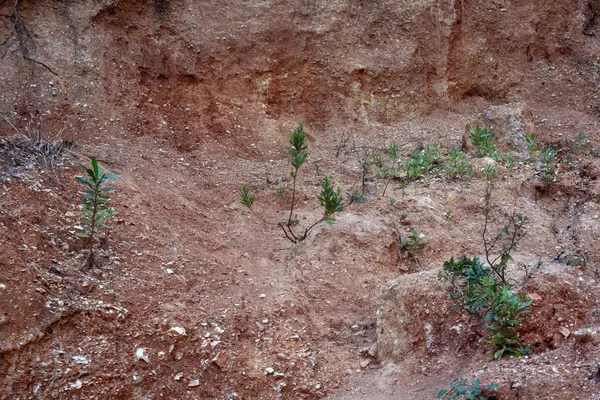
(442, 393)
(82, 235)
(246, 197)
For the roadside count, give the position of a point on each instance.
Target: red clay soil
(196, 298)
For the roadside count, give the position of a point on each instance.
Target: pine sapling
(330, 199)
(96, 211)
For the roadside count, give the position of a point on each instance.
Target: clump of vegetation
(413, 244)
(483, 288)
(483, 141)
(423, 162)
(96, 210)
(456, 164)
(389, 168)
(330, 199)
(548, 165)
(464, 389)
(355, 197)
(481, 293)
(533, 147)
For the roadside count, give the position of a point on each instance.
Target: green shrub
(96, 211)
(480, 292)
(331, 200)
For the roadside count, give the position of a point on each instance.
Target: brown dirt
(186, 101)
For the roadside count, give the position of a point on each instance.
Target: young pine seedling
(96, 211)
(331, 200)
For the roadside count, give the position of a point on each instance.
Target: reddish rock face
(228, 70)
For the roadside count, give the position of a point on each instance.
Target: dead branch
(19, 30)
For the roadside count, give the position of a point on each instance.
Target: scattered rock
(282, 356)
(280, 387)
(80, 360)
(142, 354)
(218, 330)
(268, 371)
(534, 297)
(179, 376)
(260, 326)
(170, 271)
(509, 121)
(177, 331)
(365, 363)
(586, 335)
(564, 331)
(194, 383)
(373, 350)
(161, 355)
(77, 384)
(220, 360)
(262, 296)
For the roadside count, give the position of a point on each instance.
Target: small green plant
(448, 216)
(506, 311)
(483, 141)
(533, 147)
(548, 167)
(489, 173)
(389, 168)
(355, 197)
(392, 201)
(414, 242)
(456, 164)
(463, 389)
(330, 199)
(96, 210)
(423, 162)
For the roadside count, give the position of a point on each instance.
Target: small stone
(161, 355)
(564, 331)
(373, 351)
(280, 387)
(586, 335)
(215, 344)
(142, 354)
(77, 385)
(218, 330)
(534, 297)
(269, 370)
(170, 271)
(262, 296)
(365, 363)
(260, 326)
(265, 321)
(282, 356)
(2, 286)
(177, 331)
(220, 360)
(179, 376)
(194, 383)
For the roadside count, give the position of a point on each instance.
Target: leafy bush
(96, 211)
(477, 286)
(331, 200)
(463, 389)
